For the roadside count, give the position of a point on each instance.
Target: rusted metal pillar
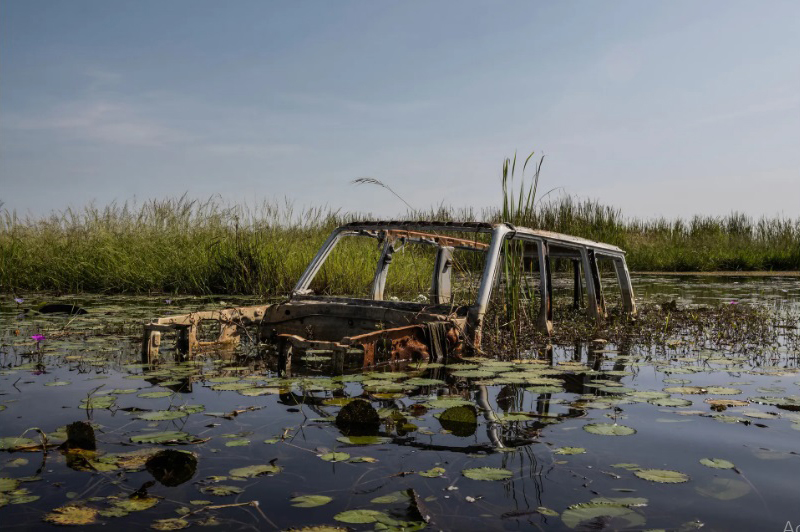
(625, 287)
(577, 293)
(598, 286)
(545, 321)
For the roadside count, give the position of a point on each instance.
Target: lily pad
(724, 489)
(609, 429)
(664, 476)
(221, 490)
(162, 437)
(391, 498)
(163, 415)
(72, 515)
(359, 516)
(255, 470)
(16, 444)
(174, 523)
(335, 457)
(579, 513)
(435, 472)
(570, 450)
(241, 442)
(717, 463)
(310, 501)
(487, 473)
(154, 395)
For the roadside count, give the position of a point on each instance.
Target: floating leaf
(17, 444)
(174, 523)
(358, 459)
(664, 476)
(717, 463)
(135, 504)
(359, 516)
(72, 515)
(670, 401)
(435, 472)
(579, 513)
(221, 490)
(724, 489)
(391, 498)
(630, 502)
(155, 395)
(162, 437)
(335, 457)
(722, 390)
(487, 473)
(547, 511)
(609, 429)
(237, 443)
(310, 501)
(727, 402)
(570, 450)
(686, 390)
(363, 440)
(255, 470)
(57, 383)
(163, 415)
(8, 484)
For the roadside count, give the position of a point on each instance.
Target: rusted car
(464, 266)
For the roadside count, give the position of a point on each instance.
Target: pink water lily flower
(38, 338)
(19, 300)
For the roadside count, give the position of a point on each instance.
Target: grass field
(183, 246)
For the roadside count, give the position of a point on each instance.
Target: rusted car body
(364, 331)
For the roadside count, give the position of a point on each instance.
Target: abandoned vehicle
(459, 268)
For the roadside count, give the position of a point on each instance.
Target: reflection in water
(528, 417)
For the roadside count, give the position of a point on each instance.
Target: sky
(657, 108)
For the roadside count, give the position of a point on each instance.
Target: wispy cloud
(102, 121)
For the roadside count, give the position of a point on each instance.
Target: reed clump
(186, 246)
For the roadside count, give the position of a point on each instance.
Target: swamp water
(583, 436)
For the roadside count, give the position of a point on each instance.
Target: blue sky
(659, 108)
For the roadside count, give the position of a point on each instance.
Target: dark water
(538, 408)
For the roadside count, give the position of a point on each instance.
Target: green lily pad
(570, 450)
(163, 415)
(724, 489)
(359, 516)
(155, 395)
(579, 513)
(57, 383)
(135, 504)
(609, 429)
(487, 473)
(72, 515)
(310, 501)
(717, 463)
(162, 437)
(16, 444)
(664, 476)
(8, 484)
(173, 523)
(335, 457)
(241, 442)
(435, 472)
(363, 440)
(670, 401)
(221, 490)
(391, 498)
(255, 470)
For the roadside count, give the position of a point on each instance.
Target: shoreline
(723, 273)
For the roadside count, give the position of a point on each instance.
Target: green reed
(185, 246)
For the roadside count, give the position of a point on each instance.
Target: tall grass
(185, 246)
